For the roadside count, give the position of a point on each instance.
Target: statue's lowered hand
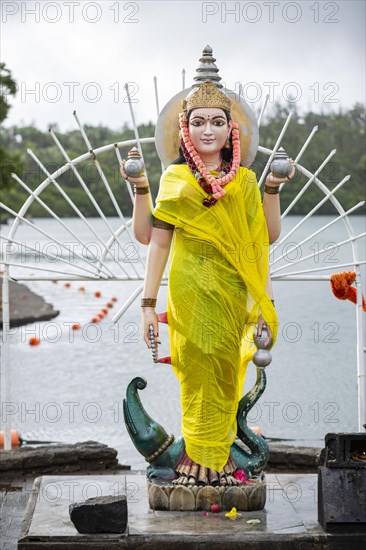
(260, 324)
(150, 329)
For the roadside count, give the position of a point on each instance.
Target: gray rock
(92, 450)
(32, 461)
(60, 458)
(25, 306)
(9, 460)
(289, 457)
(64, 455)
(107, 514)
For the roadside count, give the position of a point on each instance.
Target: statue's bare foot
(190, 473)
(227, 474)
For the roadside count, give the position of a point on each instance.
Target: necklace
(214, 166)
(210, 184)
(223, 169)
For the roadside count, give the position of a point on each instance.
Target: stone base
(248, 497)
(289, 520)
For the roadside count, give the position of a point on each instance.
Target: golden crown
(207, 95)
(207, 78)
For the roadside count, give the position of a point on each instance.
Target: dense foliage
(10, 160)
(344, 131)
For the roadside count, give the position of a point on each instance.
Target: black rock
(100, 515)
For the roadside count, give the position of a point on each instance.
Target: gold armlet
(161, 225)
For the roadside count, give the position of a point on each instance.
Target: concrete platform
(289, 519)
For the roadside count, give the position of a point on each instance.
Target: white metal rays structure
(105, 265)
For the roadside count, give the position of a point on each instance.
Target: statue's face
(208, 129)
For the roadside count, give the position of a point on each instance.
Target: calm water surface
(70, 388)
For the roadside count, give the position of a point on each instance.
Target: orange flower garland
(341, 287)
(216, 183)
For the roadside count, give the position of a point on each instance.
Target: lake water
(70, 388)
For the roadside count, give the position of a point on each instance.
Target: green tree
(342, 130)
(10, 161)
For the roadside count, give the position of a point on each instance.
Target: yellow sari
(216, 290)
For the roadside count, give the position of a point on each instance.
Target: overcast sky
(77, 55)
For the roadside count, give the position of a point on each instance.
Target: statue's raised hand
(139, 181)
(273, 181)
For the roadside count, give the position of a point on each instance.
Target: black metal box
(344, 450)
(342, 483)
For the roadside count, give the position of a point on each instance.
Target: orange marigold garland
(341, 287)
(188, 149)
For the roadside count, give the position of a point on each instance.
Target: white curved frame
(102, 271)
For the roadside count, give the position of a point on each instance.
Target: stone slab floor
(289, 519)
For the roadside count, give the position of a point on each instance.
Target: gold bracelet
(148, 302)
(271, 190)
(141, 190)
